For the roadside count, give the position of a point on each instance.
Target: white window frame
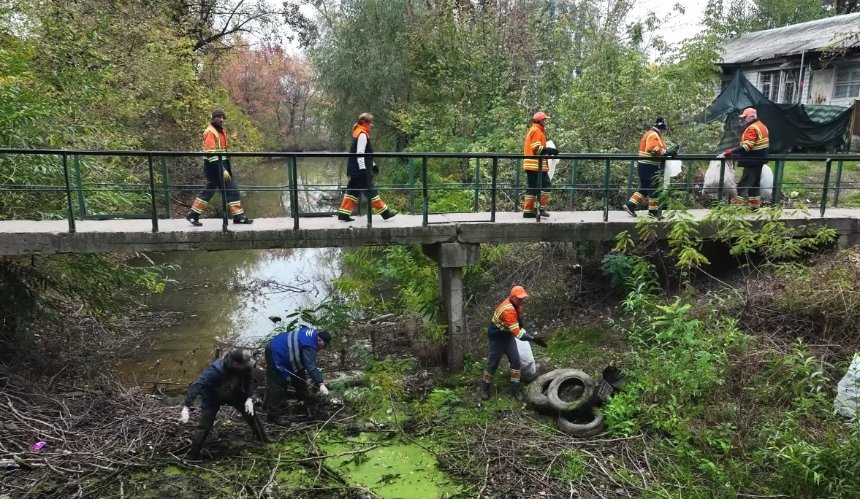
(852, 79)
(772, 90)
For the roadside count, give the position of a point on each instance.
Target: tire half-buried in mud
(571, 382)
(585, 422)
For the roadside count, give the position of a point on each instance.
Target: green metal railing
(596, 182)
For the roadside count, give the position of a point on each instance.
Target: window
(769, 81)
(847, 82)
(789, 86)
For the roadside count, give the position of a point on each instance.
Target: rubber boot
(530, 214)
(630, 208)
(655, 214)
(388, 213)
(343, 217)
(194, 218)
(544, 213)
(197, 439)
(242, 219)
(516, 392)
(485, 390)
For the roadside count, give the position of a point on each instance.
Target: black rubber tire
(555, 402)
(536, 394)
(582, 430)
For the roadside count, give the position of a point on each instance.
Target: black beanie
(218, 112)
(325, 335)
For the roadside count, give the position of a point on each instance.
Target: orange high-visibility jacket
(507, 318)
(756, 137)
(215, 142)
(651, 146)
(533, 146)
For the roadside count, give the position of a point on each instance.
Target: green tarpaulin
(793, 127)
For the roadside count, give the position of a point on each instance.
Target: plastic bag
(711, 185)
(551, 163)
(847, 401)
(672, 168)
(528, 367)
(766, 183)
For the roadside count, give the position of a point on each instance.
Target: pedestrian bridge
(24, 237)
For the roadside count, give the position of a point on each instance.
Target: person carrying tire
(227, 381)
(219, 174)
(503, 332)
(753, 149)
(290, 359)
(653, 151)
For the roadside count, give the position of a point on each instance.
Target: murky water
(230, 295)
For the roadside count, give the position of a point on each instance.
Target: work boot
(655, 214)
(388, 213)
(343, 217)
(194, 218)
(529, 214)
(242, 219)
(544, 213)
(630, 208)
(485, 390)
(516, 392)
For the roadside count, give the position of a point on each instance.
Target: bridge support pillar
(451, 258)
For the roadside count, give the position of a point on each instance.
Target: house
(816, 62)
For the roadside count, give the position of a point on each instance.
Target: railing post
(838, 184)
(776, 193)
(573, 187)
(493, 187)
(477, 179)
(152, 194)
(722, 179)
(606, 192)
(689, 182)
(165, 181)
(517, 171)
(827, 165)
(539, 188)
(410, 169)
(72, 228)
(222, 169)
(630, 179)
(426, 206)
(294, 191)
(367, 194)
(82, 206)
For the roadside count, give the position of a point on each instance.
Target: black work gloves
(549, 151)
(539, 341)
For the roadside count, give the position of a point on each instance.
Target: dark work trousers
(276, 387)
(503, 344)
(362, 184)
(214, 178)
(532, 181)
(650, 177)
(750, 181)
(207, 421)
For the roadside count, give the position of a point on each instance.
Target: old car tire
(568, 422)
(570, 376)
(536, 394)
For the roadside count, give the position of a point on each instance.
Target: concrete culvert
(537, 393)
(584, 422)
(570, 390)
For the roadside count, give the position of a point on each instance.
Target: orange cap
(748, 113)
(518, 292)
(539, 116)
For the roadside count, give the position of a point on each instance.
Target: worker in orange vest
(360, 169)
(503, 333)
(753, 149)
(218, 172)
(535, 145)
(653, 151)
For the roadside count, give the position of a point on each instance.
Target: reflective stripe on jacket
(533, 146)
(756, 137)
(652, 146)
(506, 319)
(215, 142)
(295, 351)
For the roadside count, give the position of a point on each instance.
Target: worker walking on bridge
(503, 333)
(360, 169)
(535, 145)
(290, 358)
(653, 150)
(218, 172)
(753, 149)
(227, 381)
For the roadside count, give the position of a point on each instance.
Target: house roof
(838, 31)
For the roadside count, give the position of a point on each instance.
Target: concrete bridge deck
(21, 237)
